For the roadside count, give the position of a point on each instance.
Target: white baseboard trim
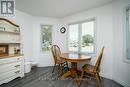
(45, 65)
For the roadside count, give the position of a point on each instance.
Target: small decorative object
(63, 30)
(4, 49)
(2, 28)
(18, 51)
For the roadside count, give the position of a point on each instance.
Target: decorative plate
(63, 30)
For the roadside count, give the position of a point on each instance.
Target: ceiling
(57, 8)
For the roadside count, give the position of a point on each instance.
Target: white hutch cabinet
(11, 57)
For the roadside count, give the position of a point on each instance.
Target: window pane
(87, 37)
(73, 37)
(46, 37)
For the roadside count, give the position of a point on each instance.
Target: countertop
(2, 56)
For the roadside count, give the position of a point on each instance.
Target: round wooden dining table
(73, 58)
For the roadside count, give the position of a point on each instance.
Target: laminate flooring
(43, 77)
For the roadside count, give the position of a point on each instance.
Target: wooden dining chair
(62, 65)
(92, 71)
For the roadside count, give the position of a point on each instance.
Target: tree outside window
(46, 33)
(87, 40)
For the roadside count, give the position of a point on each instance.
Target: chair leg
(53, 68)
(98, 80)
(63, 66)
(67, 66)
(61, 69)
(59, 66)
(76, 77)
(81, 78)
(99, 77)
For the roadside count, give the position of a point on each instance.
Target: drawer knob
(17, 72)
(17, 66)
(18, 58)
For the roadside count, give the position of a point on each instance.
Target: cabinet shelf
(9, 32)
(10, 43)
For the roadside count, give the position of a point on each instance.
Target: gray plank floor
(42, 77)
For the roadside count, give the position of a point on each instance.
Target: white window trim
(125, 27)
(95, 36)
(42, 52)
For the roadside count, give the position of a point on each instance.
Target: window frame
(79, 36)
(52, 35)
(125, 29)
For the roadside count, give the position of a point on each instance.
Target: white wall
(44, 59)
(121, 69)
(104, 33)
(25, 22)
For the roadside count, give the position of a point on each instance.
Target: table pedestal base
(72, 72)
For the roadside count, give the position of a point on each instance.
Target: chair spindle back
(56, 53)
(97, 65)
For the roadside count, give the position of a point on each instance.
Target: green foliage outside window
(46, 38)
(87, 39)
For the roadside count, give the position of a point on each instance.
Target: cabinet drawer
(9, 79)
(9, 74)
(9, 60)
(10, 66)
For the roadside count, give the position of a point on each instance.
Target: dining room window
(127, 34)
(82, 37)
(46, 38)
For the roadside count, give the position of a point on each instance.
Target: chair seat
(92, 71)
(88, 68)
